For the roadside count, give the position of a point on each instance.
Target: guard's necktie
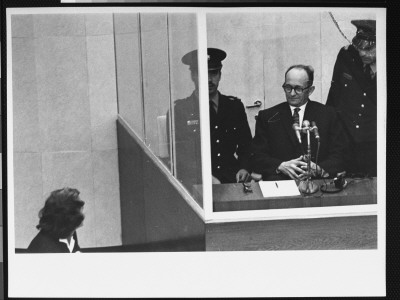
(213, 108)
(296, 117)
(368, 72)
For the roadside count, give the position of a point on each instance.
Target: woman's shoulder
(43, 243)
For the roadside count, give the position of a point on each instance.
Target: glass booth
(163, 104)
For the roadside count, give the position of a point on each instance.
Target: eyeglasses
(298, 89)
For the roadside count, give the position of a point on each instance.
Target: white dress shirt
(70, 245)
(301, 112)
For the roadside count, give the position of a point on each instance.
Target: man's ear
(311, 90)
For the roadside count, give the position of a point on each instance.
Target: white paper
(281, 188)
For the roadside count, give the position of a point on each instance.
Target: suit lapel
(310, 114)
(287, 123)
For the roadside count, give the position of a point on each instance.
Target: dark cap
(366, 29)
(366, 34)
(214, 56)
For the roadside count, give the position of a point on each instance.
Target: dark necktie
(213, 109)
(367, 72)
(296, 117)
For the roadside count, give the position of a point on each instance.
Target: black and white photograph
(196, 151)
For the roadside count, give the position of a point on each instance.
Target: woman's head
(62, 213)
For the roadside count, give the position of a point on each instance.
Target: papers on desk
(282, 188)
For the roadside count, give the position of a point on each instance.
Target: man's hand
(316, 170)
(293, 168)
(215, 180)
(241, 175)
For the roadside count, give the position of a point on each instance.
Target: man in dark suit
(353, 94)
(277, 153)
(230, 133)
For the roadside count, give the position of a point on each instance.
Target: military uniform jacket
(187, 141)
(354, 96)
(275, 140)
(229, 132)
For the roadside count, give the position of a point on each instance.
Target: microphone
(315, 129)
(297, 129)
(306, 126)
(308, 186)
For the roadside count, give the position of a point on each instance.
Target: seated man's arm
(263, 162)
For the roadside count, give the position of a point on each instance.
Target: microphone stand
(307, 186)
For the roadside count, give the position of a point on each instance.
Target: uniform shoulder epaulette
(179, 101)
(182, 101)
(233, 98)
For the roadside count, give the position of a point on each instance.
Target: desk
(231, 197)
(355, 232)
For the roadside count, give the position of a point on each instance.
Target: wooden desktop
(231, 197)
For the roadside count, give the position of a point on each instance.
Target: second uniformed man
(230, 132)
(353, 94)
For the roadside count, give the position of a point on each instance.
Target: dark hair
(309, 70)
(61, 214)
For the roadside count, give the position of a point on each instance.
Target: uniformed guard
(353, 94)
(230, 132)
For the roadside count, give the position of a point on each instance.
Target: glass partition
(156, 86)
(158, 93)
(185, 125)
(128, 66)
